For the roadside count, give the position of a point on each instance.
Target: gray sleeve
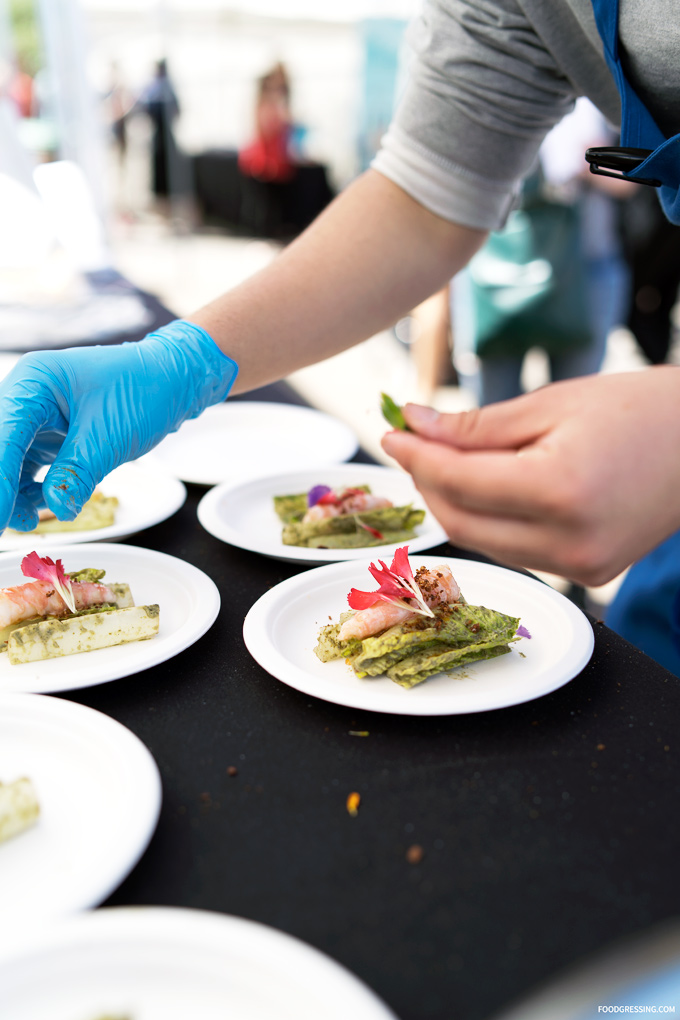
(482, 93)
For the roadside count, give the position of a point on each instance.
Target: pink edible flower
(42, 568)
(397, 583)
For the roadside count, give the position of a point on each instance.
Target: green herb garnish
(392, 413)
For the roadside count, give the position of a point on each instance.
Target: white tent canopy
(319, 10)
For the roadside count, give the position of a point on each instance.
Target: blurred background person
(269, 160)
(118, 104)
(652, 248)
(268, 156)
(428, 333)
(159, 101)
(21, 91)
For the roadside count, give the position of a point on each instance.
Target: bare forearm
(373, 255)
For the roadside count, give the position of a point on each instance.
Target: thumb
(77, 469)
(508, 425)
(17, 432)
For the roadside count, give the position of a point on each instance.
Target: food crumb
(232, 770)
(415, 854)
(358, 733)
(353, 802)
(600, 747)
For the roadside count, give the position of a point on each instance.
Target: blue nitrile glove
(87, 410)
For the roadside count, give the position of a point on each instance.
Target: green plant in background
(26, 35)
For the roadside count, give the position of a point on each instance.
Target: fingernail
(387, 442)
(421, 415)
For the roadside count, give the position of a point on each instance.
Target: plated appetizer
(349, 518)
(19, 807)
(98, 512)
(61, 614)
(414, 626)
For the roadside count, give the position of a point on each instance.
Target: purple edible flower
(315, 494)
(523, 632)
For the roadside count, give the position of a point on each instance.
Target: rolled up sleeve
(482, 93)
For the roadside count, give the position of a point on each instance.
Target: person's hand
(87, 410)
(579, 478)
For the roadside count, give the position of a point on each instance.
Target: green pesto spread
(88, 574)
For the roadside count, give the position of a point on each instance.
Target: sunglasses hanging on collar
(617, 162)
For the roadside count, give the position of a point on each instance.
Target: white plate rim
(346, 446)
(137, 769)
(176, 497)
(147, 653)
(368, 698)
(214, 932)
(338, 474)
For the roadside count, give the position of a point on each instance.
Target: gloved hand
(87, 410)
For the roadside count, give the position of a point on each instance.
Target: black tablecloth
(547, 829)
(227, 197)
(111, 310)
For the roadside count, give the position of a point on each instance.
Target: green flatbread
(416, 668)
(329, 647)
(410, 652)
(291, 508)
(346, 531)
(395, 524)
(294, 506)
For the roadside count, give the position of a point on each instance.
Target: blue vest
(646, 609)
(638, 128)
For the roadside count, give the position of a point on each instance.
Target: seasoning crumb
(600, 747)
(205, 798)
(232, 770)
(353, 802)
(415, 854)
(358, 733)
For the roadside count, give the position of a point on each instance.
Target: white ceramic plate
(243, 514)
(189, 602)
(99, 793)
(248, 439)
(155, 963)
(281, 629)
(146, 496)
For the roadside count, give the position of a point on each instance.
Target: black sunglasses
(618, 162)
